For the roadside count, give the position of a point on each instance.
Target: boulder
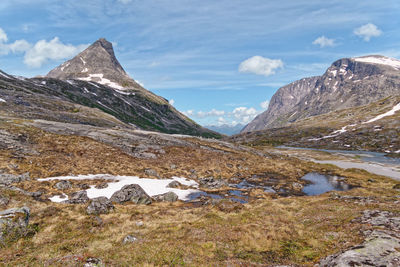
(77, 198)
(169, 197)
(99, 205)
(379, 249)
(63, 185)
(93, 262)
(211, 182)
(132, 192)
(14, 223)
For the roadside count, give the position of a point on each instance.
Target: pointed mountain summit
(98, 64)
(96, 79)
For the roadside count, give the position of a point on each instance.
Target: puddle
(323, 183)
(234, 195)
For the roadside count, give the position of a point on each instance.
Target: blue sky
(217, 61)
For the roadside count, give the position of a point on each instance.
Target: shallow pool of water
(323, 183)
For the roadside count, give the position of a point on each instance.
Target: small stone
(63, 185)
(129, 239)
(101, 186)
(93, 262)
(139, 224)
(4, 201)
(99, 205)
(174, 184)
(151, 172)
(84, 186)
(77, 198)
(172, 166)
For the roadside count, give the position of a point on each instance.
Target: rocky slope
(69, 95)
(348, 82)
(372, 127)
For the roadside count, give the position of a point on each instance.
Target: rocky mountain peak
(97, 63)
(347, 83)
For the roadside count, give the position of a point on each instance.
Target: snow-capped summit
(376, 59)
(96, 64)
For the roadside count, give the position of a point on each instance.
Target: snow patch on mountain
(380, 60)
(389, 113)
(98, 78)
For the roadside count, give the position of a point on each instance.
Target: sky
(219, 62)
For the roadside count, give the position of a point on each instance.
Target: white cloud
(323, 41)
(188, 112)
(44, 51)
(19, 46)
(171, 102)
(244, 114)
(264, 104)
(367, 31)
(3, 36)
(260, 65)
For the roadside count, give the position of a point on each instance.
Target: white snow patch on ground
(85, 70)
(58, 198)
(2, 100)
(395, 63)
(334, 72)
(151, 186)
(104, 81)
(43, 82)
(389, 113)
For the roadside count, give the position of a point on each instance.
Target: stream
(373, 162)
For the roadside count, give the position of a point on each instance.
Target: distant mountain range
(94, 79)
(347, 83)
(226, 128)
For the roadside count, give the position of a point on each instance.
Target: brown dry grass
(296, 230)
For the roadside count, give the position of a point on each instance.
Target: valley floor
(270, 228)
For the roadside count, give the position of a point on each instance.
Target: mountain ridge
(348, 82)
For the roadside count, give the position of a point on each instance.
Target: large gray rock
(99, 205)
(79, 197)
(132, 192)
(168, 197)
(379, 249)
(14, 223)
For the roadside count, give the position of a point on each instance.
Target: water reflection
(323, 183)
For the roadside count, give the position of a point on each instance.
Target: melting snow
(125, 93)
(59, 199)
(334, 72)
(389, 113)
(102, 80)
(151, 186)
(380, 60)
(85, 70)
(2, 100)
